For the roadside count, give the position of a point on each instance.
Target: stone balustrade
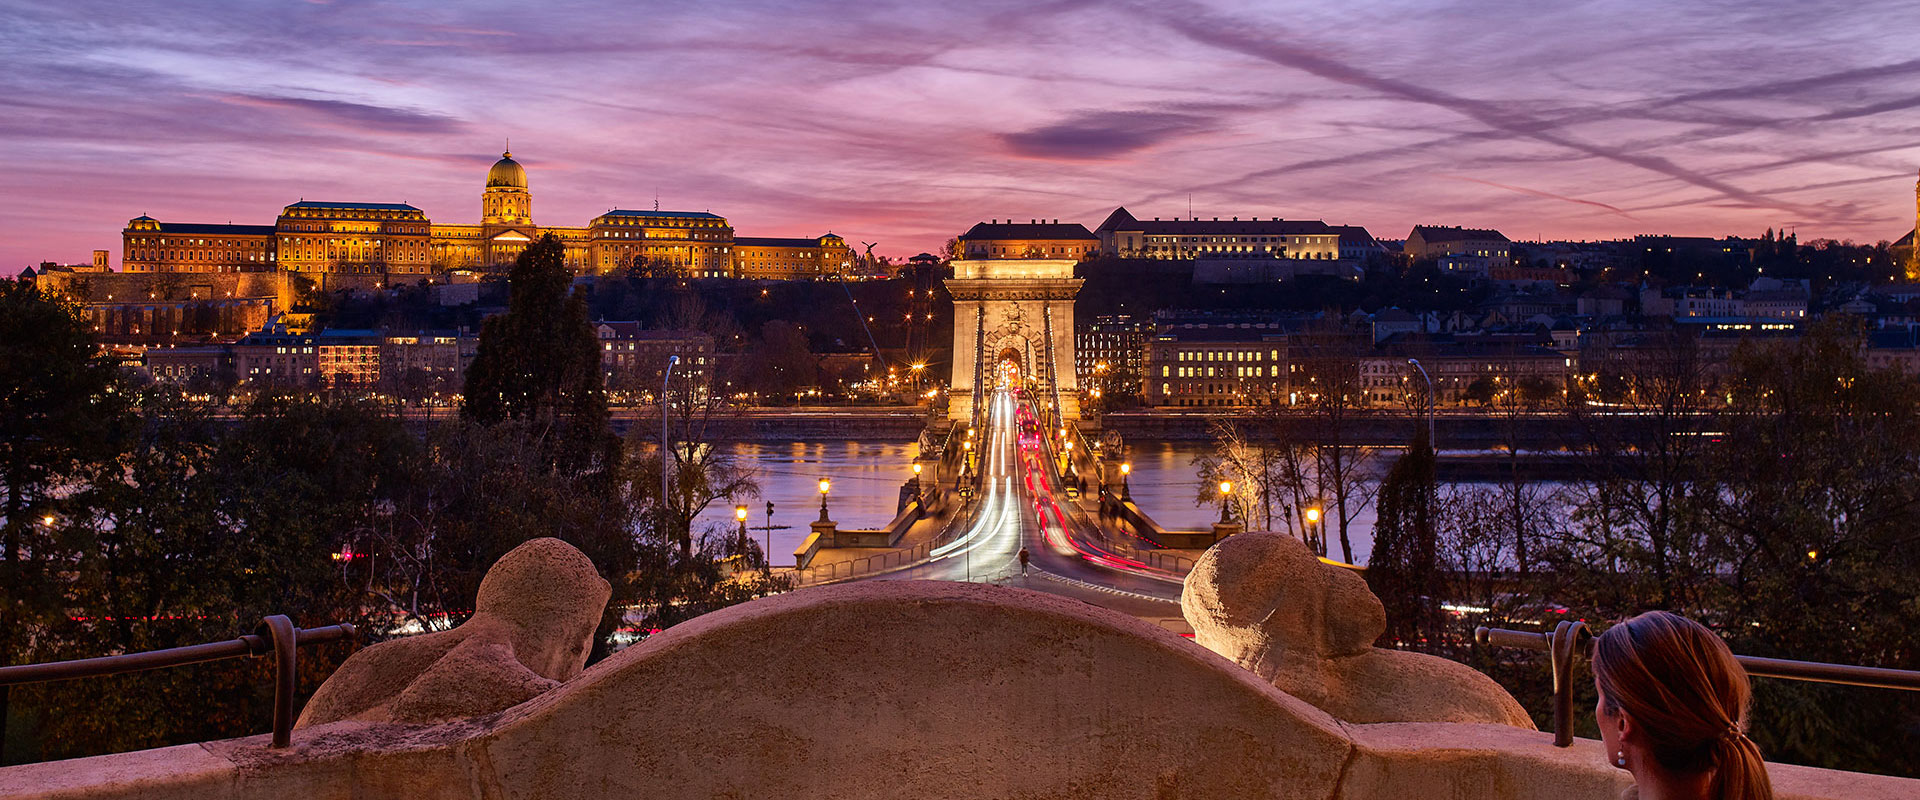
(892, 689)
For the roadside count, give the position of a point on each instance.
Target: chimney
(1032, 221)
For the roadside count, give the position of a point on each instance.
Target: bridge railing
(862, 567)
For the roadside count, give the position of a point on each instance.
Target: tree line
(136, 518)
(1772, 495)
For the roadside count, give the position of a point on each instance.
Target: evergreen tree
(1403, 570)
(61, 409)
(540, 363)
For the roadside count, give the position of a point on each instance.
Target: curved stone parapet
(957, 690)
(1265, 601)
(885, 690)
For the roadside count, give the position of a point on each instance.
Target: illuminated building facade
(1032, 239)
(790, 259)
(1123, 235)
(1217, 366)
(383, 242)
(378, 239)
(1438, 241)
(694, 244)
(149, 245)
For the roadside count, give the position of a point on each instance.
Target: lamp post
(1126, 488)
(1226, 501)
(769, 568)
(1430, 398)
(917, 484)
(740, 515)
(1313, 538)
(666, 448)
(825, 485)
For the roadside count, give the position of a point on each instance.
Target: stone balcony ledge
(893, 689)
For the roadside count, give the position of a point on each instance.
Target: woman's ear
(1625, 727)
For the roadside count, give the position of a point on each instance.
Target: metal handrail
(276, 634)
(1561, 644)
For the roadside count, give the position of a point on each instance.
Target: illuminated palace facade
(396, 242)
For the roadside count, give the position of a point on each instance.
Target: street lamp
(825, 485)
(1313, 521)
(1226, 495)
(917, 498)
(1430, 399)
(769, 561)
(666, 449)
(740, 514)
(1126, 488)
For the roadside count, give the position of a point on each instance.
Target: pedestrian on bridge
(1024, 558)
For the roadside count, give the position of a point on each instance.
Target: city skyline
(904, 124)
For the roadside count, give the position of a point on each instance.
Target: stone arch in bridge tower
(1009, 346)
(1024, 305)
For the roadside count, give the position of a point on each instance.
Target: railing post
(1565, 637)
(284, 643)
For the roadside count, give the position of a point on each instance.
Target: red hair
(1681, 686)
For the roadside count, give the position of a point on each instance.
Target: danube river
(867, 478)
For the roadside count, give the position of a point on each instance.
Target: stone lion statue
(531, 629)
(1264, 601)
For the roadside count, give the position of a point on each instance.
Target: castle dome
(507, 172)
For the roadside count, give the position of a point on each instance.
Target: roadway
(1017, 508)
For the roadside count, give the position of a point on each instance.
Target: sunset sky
(904, 123)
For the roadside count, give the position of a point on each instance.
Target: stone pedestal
(825, 529)
(1222, 530)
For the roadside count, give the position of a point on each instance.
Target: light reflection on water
(1166, 483)
(865, 493)
(867, 478)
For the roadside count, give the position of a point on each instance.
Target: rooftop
(213, 229)
(1444, 233)
(774, 241)
(627, 212)
(1028, 230)
(353, 206)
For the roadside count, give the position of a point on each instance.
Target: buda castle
(346, 244)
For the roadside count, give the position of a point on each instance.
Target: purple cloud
(1103, 134)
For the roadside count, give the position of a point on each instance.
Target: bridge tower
(1016, 312)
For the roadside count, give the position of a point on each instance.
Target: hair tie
(1732, 733)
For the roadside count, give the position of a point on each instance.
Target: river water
(865, 492)
(867, 478)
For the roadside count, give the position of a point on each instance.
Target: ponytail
(1739, 773)
(1682, 686)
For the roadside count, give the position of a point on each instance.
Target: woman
(1672, 711)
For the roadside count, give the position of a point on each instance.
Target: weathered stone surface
(531, 629)
(927, 690)
(1264, 600)
(1498, 761)
(899, 689)
(184, 772)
